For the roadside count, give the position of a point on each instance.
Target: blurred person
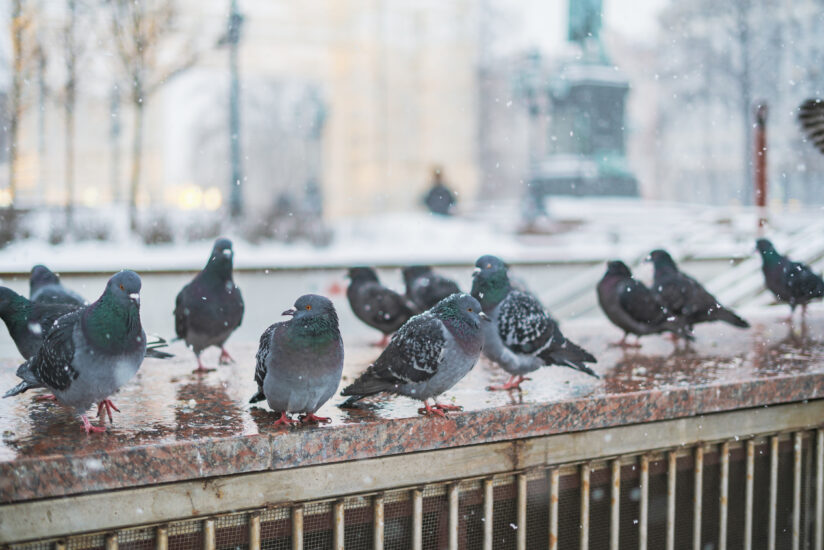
(440, 199)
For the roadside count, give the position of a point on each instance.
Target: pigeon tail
(729, 317)
(259, 396)
(157, 354)
(351, 402)
(573, 356)
(19, 388)
(365, 386)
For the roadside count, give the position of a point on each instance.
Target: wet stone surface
(176, 425)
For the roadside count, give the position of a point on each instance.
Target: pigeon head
(619, 268)
(765, 247)
(362, 275)
(220, 261)
(490, 282)
(124, 288)
(460, 307)
(42, 276)
(412, 272)
(12, 305)
(314, 312)
(112, 323)
(660, 258)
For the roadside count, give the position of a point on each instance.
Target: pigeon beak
(135, 297)
(227, 253)
(485, 317)
(290, 311)
(648, 258)
(476, 271)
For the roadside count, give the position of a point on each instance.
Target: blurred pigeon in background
(300, 361)
(376, 305)
(28, 321)
(91, 353)
(425, 288)
(427, 356)
(210, 308)
(793, 283)
(45, 287)
(522, 336)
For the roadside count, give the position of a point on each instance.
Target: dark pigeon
(634, 308)
(376, 305)
(522, 336)
(91, 353)
(45, 287)
(793, 283)
(427, 356)
(811, 117)
(210, 308)
(684, 297)
(425, 288)
(300, 361)
(29, 321)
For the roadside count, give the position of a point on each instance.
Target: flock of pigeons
(84, 353)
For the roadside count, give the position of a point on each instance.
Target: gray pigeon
(210, 308)
(522, 337)
(428, 355)
(633, 307)
(374, 304)
(28, 321)
(793, 283)
(299, 362)
(425, 288)
(45, 287)
(91, 353)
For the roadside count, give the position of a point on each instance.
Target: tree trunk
(15, 103)
(69, 167)
(137, 151)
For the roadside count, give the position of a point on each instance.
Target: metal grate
(725, 494)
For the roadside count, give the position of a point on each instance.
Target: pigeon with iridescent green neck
(89, 354)
(793, 283)
(210, 308)
(299, 361)
(45, 287)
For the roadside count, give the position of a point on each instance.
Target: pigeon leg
(317, 419)
(200, 368)
(514, 383)
(427, 410)
(106, 405)
(285, 420)
(445, 407)
(225, 358)
(622, 343)
(88, 426)
(383, 342)
(45, 397)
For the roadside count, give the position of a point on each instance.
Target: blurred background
(347, 123)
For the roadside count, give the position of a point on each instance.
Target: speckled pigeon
(210, 308)
(91, 353)
(811, 117)
(45, 287)
(684, 297)
(374, 304)
(28, 321)
(793, 283)
(425, 288)
(634, 308)
(521, 337)
(299, 361)
(428, 355)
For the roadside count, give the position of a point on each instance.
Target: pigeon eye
(489, 266)
(308, 307)
(470, 309)
(121, 287)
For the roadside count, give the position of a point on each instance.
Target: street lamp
(232, 39)
(530, 85)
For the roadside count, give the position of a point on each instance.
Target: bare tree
(141, 29)
(22, 54)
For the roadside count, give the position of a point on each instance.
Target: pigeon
(633, 307)
(684, 297)
(430, 353)
(521, 337)
(792, 282)
(300, 361)
(210, 308)
(376, 305)
(92, 352)
(45, 287)
(28, 321)
(425, 288)
(811, 117)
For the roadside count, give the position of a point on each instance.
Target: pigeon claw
(285, 420)
(106, 406)
(514, 383)
(623, 344)
(316, 419)
(429, 410)
(445, 407)
(89, 428)
(225, 358)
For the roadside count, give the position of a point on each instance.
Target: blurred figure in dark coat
(439, 199)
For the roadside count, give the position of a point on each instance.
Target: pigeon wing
(52, 365)
(639, 302)
(523, 325)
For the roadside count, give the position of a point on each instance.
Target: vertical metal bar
(254, 531)
(161, 538)
(489, 496)
(111, 541)
(297, 527)
(521, 515)
(615, 505)
(643, 515)
(378, 519)
(773, 492)
(797, 447)
(417, 519)
(338, 525)
(749, 494)
(554, 490)
(584, 538)
(819, 489)
(452, 496)
(697, 494)
(209, 542)
(724, 498)
(672, 469)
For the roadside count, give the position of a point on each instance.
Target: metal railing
(743, 479)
